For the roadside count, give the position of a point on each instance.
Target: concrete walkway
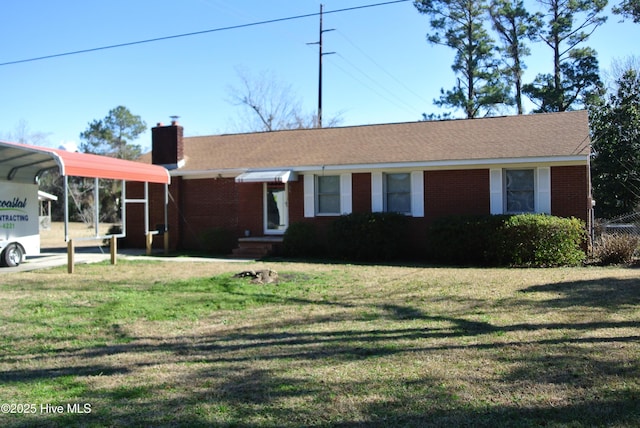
(54, 257)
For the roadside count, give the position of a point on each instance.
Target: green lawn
(186, 344)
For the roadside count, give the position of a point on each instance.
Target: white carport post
(166, 219)
(96, 206)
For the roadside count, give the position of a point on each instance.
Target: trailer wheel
(11, 256)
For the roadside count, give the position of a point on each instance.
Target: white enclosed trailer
(19, 225)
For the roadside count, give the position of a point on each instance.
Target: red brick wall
(570, 192)
(456, 192)
(195, 206)
(361, 192)
(250, 208)
(207, 204)
(296, 200)
(210, 203)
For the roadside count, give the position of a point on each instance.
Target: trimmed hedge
(543, 241)
(533, 240)
(301, 240)
(463, 240)
(369, 236)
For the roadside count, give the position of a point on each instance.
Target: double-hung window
(400, 192)
(397, 193)
(328, 194)
(519, 191)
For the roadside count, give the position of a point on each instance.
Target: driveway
(54, 257)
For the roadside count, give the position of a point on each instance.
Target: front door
(276, 208)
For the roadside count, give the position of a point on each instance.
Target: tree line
(492, 40)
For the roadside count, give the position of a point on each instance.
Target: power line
(401, 83)
(400, 102)
(196, 33)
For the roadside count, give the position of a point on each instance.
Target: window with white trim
(520, 191)
(397, 193)
(328, 194)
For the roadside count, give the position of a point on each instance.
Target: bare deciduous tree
(270, 105)
(23, 134)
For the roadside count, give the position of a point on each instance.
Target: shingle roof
(526, 136)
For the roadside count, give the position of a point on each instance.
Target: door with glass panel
(276, 208)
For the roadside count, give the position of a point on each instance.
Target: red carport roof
(23, 163)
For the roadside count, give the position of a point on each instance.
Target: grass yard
(185, 344)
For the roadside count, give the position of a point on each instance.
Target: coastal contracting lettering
(15, 204)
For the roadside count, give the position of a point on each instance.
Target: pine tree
(460, 25)
(575, 77)
(515, 26)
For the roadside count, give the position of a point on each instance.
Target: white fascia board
(448, 164)
(421, 165)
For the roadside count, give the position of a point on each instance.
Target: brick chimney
(167, 146)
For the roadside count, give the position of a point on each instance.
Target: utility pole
(321, 54)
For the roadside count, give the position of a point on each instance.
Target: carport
(21, 163)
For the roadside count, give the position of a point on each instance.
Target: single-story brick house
(257, 184)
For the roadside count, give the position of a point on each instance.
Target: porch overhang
(279, 176)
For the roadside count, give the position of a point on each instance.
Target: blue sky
(383, 70)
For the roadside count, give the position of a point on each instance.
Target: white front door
(276, 208)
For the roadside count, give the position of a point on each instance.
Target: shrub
(301, 240)
(464, 239)
(542, 241)
(520, 240)
(369, 236)
(219, 241)
(616, 248)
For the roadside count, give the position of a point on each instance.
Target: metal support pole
(166, 219)
(96, 206)
(123, 208)
(146, 208)
(66, 208)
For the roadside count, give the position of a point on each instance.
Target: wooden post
(166, 242)
(70, 256)
(114, 249)
(149, 243)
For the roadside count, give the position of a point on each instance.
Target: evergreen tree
(111, 136)
(629, 9)
(514, 25)
(459, 24)
(575, 76)
(615, 129)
